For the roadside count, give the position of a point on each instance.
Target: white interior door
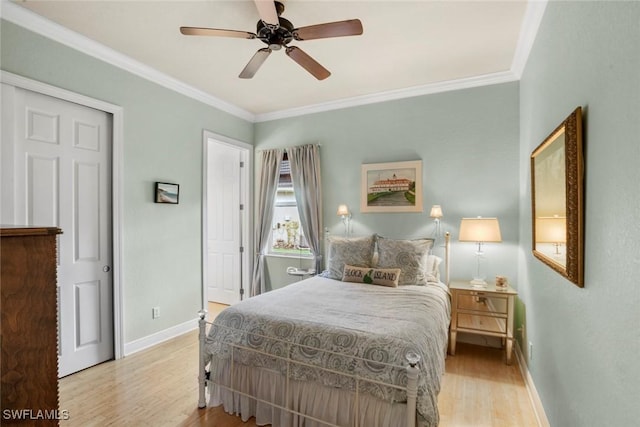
(61, 153)
(225, 221)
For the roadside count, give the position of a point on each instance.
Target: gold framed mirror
(557, 199)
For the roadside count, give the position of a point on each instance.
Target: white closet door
(62, 177)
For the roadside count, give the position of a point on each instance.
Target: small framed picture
(167, 193)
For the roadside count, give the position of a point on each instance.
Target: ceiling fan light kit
(277, 32)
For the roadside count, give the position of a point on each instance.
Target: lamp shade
(551, 229)
(436, 211)
(343, 210)
(480, 230)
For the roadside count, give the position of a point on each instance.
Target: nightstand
(482, 311)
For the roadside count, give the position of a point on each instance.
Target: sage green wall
(161, 247)
(586, 341)
(467, 140)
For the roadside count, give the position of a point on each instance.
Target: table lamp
(479, 230)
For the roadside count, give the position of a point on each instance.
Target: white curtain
(269, 176)
(307, 186)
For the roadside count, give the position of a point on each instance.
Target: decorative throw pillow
(410, 256)
(374, 276)
(356, 251)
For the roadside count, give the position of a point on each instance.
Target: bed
(362, 344)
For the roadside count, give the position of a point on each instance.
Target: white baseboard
(538, 409)
(158, 337)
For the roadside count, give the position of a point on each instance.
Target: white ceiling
(408, 47)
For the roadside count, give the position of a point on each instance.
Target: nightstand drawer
(482, 302)
(497, 325)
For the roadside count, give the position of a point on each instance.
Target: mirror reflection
(550, 199)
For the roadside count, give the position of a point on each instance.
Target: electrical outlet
(530, 350)
(155, 312)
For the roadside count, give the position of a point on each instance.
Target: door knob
(106, 269)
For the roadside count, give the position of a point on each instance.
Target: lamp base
(478, 283)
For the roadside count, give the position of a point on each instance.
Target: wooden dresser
(28, 306)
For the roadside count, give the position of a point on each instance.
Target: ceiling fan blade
(308, 63)
(196, 31)
(351, 27)
(267, 11)
(254, 63)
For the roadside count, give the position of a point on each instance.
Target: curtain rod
(285, 150)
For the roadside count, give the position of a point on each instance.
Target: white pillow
(433, 268)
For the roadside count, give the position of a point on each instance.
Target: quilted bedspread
(361, 330)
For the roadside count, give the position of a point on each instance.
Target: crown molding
(446, 86)
(37, 24)
(530, 25)
(33, 22)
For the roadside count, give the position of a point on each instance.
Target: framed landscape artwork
(391, 187)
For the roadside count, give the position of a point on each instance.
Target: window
(287, 237)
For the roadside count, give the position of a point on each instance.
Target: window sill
(309, 257)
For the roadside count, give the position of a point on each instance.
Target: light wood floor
(158, 387)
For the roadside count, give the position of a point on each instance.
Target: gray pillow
(356, 251)
(410, 256)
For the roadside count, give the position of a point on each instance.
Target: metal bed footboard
(411, 368)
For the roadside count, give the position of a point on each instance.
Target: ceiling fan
(277, 32)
